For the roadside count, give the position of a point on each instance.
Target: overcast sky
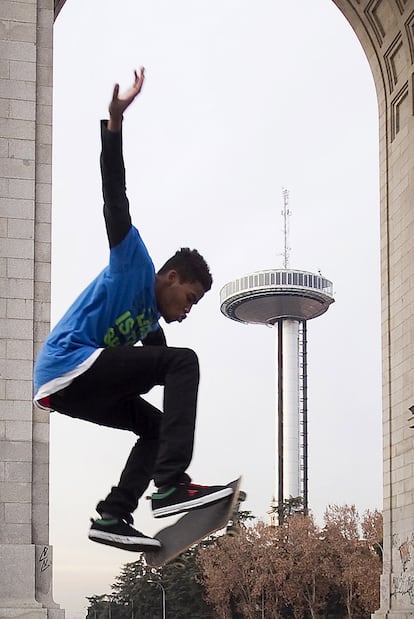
(241, 100)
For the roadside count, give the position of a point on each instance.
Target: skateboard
(196, 525)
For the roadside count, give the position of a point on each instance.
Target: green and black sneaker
(117, 532)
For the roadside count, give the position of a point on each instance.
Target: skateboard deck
(194, 526)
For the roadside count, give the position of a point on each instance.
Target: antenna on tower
(286, 214)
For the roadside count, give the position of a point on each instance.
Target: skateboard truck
(233, 525)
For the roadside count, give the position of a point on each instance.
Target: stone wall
(385, 29)
(26, 53)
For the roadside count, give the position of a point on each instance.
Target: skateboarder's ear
(173, 276)
(170, 277)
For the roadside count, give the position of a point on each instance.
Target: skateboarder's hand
(120, 103)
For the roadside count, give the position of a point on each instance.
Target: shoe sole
(138, 544)
(172, 510)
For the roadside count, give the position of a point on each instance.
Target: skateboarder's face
(176, 298)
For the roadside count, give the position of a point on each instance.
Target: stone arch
(385, 29)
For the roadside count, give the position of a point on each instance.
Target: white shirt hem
(56, 384)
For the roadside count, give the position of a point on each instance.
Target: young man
(88, 367)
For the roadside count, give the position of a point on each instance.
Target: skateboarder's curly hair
(190, 266)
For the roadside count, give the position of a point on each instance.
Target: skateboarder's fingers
(139, 79)
(115, 93)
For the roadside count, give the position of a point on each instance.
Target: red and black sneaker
(170, 500)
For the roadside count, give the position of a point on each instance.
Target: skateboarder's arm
(116, 205)
(155, 338)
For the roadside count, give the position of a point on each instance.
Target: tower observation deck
(285, 299)
(265, 297)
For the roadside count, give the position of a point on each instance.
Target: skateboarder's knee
(148, 424)
(187, 358)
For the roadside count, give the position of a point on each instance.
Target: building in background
(284, 299)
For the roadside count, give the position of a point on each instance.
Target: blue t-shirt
(118, 308)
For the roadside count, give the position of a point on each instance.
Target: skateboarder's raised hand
(120, 103)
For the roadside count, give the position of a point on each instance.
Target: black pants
(109, 394)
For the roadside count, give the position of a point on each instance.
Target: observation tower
(285, 299)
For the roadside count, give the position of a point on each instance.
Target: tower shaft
(291, 462)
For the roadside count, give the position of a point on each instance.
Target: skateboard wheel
(232, 530)
(242, 495)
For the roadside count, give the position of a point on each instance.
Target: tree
(135, 592)
(228, 574)
(185, 593)
(289, 507)
(310, 573)
(357, 566)
(272, 568)
(98, 607)
(372, 530)
(295, 570)
(132, 589)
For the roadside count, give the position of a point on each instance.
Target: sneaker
(168, 501)
(117, 532)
